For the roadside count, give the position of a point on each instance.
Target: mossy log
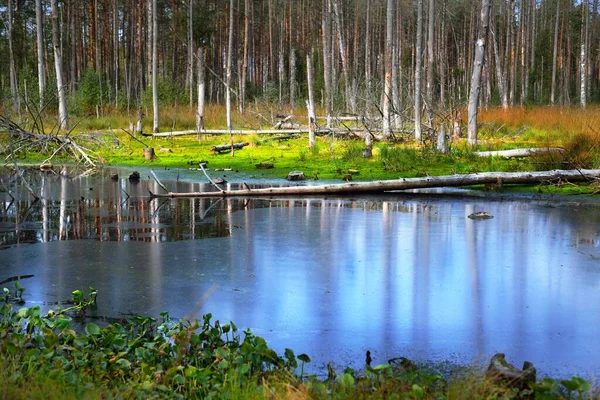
(584, 175)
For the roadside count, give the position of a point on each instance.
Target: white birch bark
(201, 89)
(477, 69)
(311, 102)
(63, 119)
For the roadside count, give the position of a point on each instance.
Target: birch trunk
(477, 69)
(311, 102)
(387, 84)
(418, 68)
(583, 57)
(154, 66)
(200, 110)
(63, 120)
(40, 51)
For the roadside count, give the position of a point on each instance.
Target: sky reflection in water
(398, 275)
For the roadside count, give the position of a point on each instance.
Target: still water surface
(399, 275)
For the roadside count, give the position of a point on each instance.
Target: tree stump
(296, 176)
(500, 371)
(149, 154)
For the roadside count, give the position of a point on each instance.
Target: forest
(410, 62)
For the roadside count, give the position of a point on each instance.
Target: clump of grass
(399, 159)
(353, 151)
(581, 150)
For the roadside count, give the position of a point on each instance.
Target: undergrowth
(53, 355)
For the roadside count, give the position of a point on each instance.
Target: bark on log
(227, 147)
(583, 175)
(519, 152)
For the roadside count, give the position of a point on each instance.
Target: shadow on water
(398, 274)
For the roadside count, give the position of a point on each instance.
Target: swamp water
(401, 274)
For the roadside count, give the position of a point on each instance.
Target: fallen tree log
(227, 147)
(405, 184)
(519, 152)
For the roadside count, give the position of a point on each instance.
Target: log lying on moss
(514, 153)
(584, 175)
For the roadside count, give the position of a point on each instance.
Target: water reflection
(397, 275)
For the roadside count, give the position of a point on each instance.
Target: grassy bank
(333, 158)
(57, 355)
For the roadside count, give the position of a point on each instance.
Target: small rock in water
(134, 176)
(481, 215)
(219, 181)
(114, 177)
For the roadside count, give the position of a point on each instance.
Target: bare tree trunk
(418, 68)
(350, 98)
(116, 51)
(154, 66)
(190, 69)
(368, 73)
(388, 57)
(200, 111)
(477, 68)
(583, 59)
(242, 102)
(555, 55)
(12, 71)
(327, 60)
(63, 119)
(229, 65)
(40, 51)
(500, 77)
(430, 59)
(311, 101)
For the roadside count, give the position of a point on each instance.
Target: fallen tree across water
(584, 175)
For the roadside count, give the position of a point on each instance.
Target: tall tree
(478, 62)
(418, 68)
(229, 66)
(40, 51)
(11, 58)
(388, 57)
(63, 119)
(555, 54)
(154, 67)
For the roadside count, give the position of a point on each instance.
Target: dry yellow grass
(552, 120)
